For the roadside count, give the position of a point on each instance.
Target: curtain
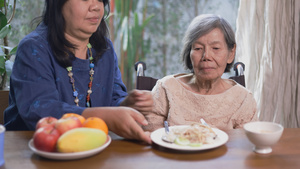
(268, 43)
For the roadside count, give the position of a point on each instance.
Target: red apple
(45, 138)
(46, 121)
(66, 124)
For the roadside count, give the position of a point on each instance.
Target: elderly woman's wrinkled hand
(140, 100)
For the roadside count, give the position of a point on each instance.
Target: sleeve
(159, 114)
(247, 112)
(119, 89)
(33, 84)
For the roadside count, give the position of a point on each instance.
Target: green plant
(134, 46)
(6, 52)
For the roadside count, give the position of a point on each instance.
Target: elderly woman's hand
(140, 100)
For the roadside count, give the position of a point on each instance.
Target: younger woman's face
(82, 17)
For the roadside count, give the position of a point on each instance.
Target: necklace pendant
(92, 65)
(72, 80)
(69, 69)
(76, 101)
(92, 72)
(75, 93)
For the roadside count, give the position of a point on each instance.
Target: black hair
(61, 47)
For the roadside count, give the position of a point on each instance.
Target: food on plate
(97, 123)
(46, 121)
(81, 139)
(194, 135)
(45, 138)
(65, 124)
(81, 118)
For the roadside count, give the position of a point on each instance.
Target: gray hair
(201, 25)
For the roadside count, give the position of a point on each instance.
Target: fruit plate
(156, 137)
(68, 156)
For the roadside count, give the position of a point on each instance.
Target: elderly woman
(208, 52)
(68, 64)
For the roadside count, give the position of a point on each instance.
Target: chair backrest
(4, 94)
(239, 77)
(147, 83)
(143, 82)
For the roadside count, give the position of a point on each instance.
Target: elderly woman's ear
(232, 55)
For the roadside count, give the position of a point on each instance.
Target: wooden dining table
(236, 153)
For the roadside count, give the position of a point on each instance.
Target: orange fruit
(97, 123)
(81, 118)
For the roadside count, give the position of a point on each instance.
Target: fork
(204, 123)
(165, 136)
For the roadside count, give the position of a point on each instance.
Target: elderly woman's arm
(247, 112)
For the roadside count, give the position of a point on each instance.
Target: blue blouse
(40, 87)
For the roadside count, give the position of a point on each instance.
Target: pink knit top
(179, 106)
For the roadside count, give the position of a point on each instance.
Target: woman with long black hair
(68, 64)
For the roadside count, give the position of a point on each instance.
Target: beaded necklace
(72, 80)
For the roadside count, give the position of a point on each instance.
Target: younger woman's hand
(124, 121)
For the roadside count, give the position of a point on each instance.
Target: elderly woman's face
(82, 17)
(210, 55)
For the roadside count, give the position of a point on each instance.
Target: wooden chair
(147, 83)
(3, 103)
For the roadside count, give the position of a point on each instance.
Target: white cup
(2, 132)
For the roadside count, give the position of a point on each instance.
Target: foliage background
(151, 31)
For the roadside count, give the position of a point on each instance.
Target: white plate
(221, 139)
(69, 156)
